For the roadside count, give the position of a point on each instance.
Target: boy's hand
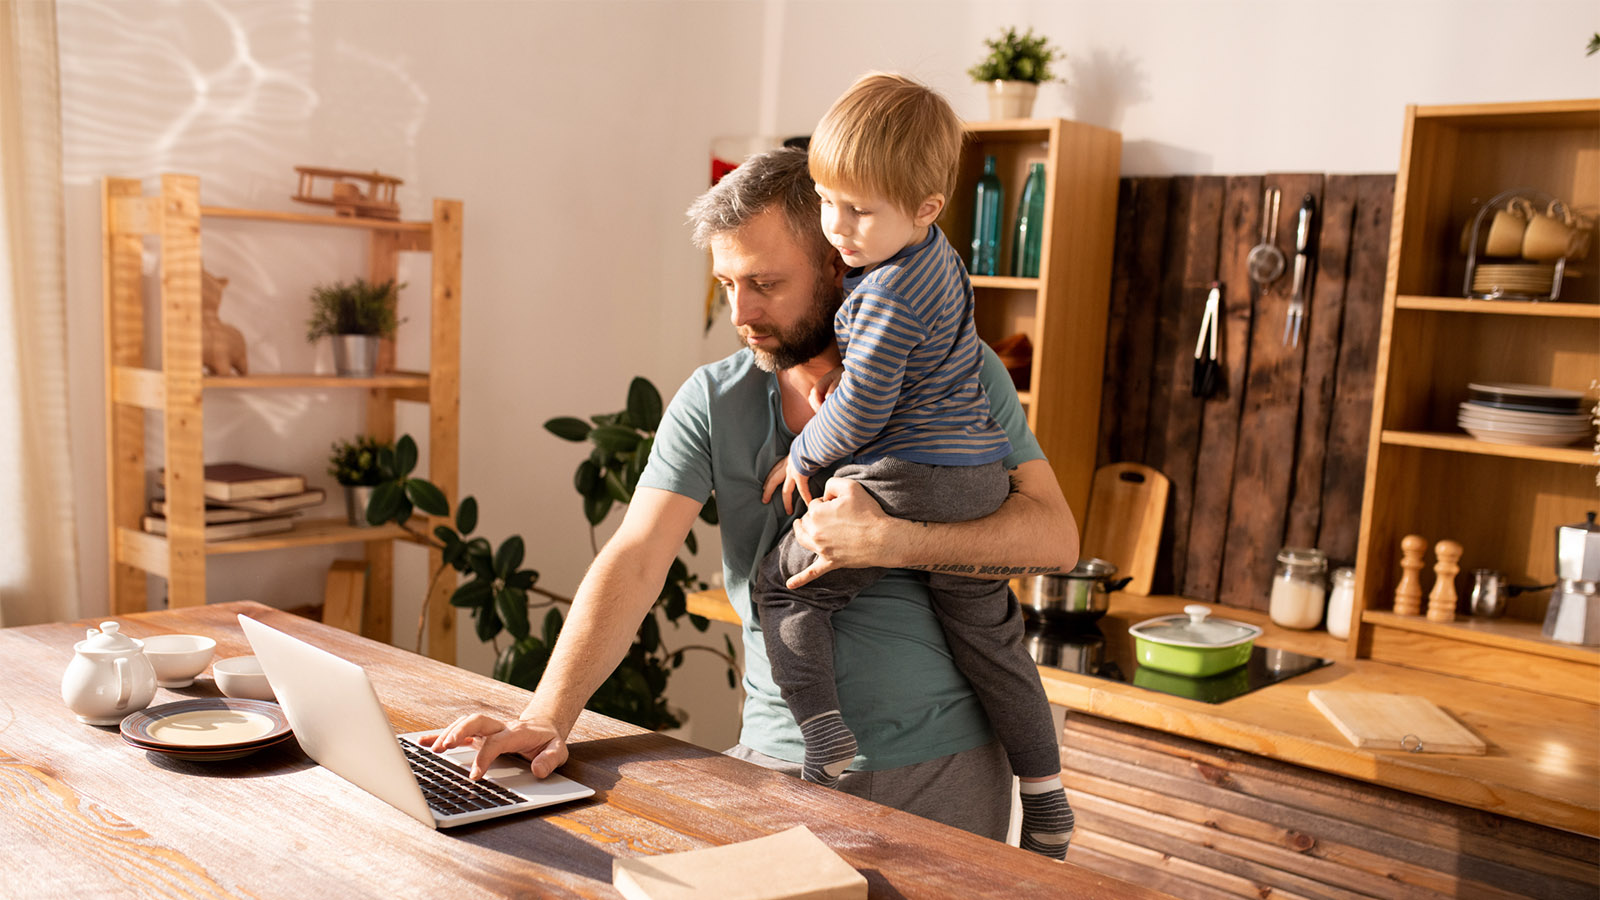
(824, 387)
(786, 479)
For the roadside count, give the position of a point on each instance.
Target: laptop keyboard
(448, 790)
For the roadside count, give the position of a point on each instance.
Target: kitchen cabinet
(1424, 476)
(1063, 310)
(176, 387)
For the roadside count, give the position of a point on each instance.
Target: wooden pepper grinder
(1442, 601)
(1408, 593)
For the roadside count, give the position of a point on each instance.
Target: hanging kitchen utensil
(1302, 277)
(1207, 367)
(1266, 261)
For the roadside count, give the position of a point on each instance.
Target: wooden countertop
(1542, 766)
(87, 815)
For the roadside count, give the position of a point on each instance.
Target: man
(925, 746)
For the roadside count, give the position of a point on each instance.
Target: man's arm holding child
(1031, 533)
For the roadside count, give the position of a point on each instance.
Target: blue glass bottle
(1027, 244)
(987, 199)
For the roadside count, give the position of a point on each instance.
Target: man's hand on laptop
(540, 742)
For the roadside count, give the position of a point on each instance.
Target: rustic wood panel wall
(1277, 455)
(1203, 823)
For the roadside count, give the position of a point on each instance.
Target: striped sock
(1047, 819)
(830, 748)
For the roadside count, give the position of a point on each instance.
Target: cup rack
(1505, 202)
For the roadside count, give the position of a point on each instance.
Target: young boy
(907, 405)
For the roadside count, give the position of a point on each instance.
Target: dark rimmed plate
(1527, 397)
(208, 728)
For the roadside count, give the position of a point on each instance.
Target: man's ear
(929, 210)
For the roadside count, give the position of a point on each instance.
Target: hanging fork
(1302, 263)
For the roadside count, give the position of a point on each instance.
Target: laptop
(339, 723)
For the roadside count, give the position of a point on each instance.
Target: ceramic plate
(207, 728)
(1489, 436)
(1531, 417)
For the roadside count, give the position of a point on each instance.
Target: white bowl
(241, 677)
(178, 658)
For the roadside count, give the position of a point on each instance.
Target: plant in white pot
(1013, 70)
(356, 315)
(359, 466)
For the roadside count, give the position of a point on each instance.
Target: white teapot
(108, 678)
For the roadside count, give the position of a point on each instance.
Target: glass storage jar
(1340, 601)
(1299, 586)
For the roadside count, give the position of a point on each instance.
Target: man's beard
(807, 337)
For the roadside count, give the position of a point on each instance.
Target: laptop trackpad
(511, 772)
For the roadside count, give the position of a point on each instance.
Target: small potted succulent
(359, 466)
(1013, 70)
(357, 315)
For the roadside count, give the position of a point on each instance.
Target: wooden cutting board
(1127, 503)
(1388, 721)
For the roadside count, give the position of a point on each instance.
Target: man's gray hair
(775, 178)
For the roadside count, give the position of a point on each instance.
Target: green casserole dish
(1193, 644)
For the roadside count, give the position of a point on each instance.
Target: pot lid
(1093, 568)
(1194, 629)
(108, 639)
(1588, 525)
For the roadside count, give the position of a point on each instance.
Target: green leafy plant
(359, 463)
(353, 307)
(496, 587)
(1594, 44)
(1014, 58)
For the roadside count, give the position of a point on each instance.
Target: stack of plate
(1525, 414)
(1515, 279)
(207, 728)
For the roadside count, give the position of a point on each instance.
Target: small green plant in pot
(1013, 70)
(496, 587)
(356, 315)
(358, 466)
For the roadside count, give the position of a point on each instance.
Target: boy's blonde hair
(891, 136)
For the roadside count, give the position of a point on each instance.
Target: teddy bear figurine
(222, 350)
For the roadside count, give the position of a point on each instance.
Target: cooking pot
(1080, 595)
(1192, 644)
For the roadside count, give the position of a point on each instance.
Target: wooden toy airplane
(349, 199)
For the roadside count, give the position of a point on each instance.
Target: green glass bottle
(987, 199)
(1028, 242)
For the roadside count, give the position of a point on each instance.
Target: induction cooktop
(1104, 649)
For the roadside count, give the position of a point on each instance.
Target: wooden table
(87, 815)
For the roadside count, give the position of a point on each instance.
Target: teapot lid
(108, 638)
(1588, 525)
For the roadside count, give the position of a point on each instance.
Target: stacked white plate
(1525, 414)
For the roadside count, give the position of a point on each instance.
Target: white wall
(577, 132)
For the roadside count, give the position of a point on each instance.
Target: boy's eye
(861, 212)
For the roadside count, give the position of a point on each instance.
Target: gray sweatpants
(981, 618)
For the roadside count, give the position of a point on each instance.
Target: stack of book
(244, 500)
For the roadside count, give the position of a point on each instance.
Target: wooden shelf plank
(1554, 310)
(313, 532)
(1460, 443)
(295, 218)
(1510, 634)
(1005, 282)
(391, 380)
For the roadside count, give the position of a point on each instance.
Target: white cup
(241, 677)
(1554, 234)
(178, 658)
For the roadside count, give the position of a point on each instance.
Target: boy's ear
(929, 210)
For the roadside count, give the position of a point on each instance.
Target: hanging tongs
(1207, 368)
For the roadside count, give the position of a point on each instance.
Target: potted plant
(359, 466)
(1013, 70)
(356, 314)
(496, 588)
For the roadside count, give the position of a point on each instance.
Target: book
(228, 530)
(241, 481)
(278, 504)
(789, 865)
(215, 515)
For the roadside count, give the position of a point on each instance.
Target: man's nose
(742, 306)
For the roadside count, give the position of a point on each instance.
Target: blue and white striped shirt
(911, 362)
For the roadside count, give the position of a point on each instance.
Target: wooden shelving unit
(1425, 475)
(1063, 311)
(176, 389)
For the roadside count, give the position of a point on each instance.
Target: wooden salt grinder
(1442, 601)
(1408, 593)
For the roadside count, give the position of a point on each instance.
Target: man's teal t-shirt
(899, 690)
